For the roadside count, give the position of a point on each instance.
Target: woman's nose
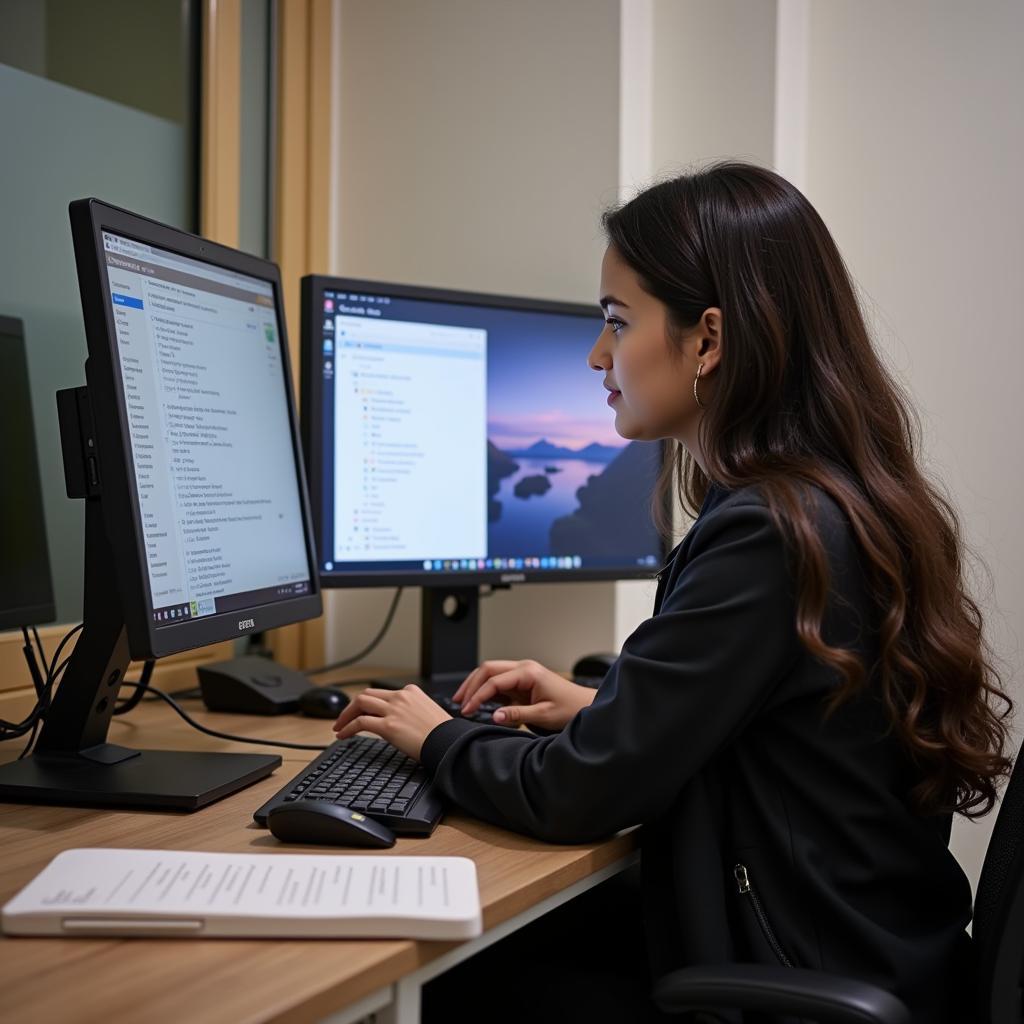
(599, 358)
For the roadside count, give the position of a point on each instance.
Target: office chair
(998, 955)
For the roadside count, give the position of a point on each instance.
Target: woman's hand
(402, 717)
(534, 694)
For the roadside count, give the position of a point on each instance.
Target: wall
(914, 148)
(713, 82)
(478, 146)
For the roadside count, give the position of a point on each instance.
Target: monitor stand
(72, 762)
(449, 640)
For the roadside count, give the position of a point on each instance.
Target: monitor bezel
(120, 498)
(11, 616)
(311, 396)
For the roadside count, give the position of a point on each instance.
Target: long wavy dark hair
(801, 399)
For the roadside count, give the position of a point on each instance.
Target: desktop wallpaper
(560, 480)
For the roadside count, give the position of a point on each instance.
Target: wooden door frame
(302, 213)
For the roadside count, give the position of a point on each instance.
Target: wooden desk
(118, 981)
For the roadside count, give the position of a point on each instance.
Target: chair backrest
(998, 928)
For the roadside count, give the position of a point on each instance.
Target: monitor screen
(459, 434)
(26, 591)
(201, 371)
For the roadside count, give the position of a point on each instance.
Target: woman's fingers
(478, 677)
(504, 684)
(371, 702)
(541, 713)
(363, 723)
(402, 717)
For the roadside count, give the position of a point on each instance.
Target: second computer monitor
(26, 591)
(458, 438)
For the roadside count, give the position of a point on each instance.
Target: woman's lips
(612, 395)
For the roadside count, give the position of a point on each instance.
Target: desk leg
(405, 1003)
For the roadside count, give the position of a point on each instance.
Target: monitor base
(153, 780)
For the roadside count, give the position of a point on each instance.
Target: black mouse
(327, 824)
(592, 668)
(322, 702)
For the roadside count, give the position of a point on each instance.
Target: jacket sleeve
(687, 681)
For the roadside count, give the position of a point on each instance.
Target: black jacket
(709, 730)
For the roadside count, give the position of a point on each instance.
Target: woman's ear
(709, 333)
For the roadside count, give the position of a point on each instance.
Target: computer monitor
(26, 588)
(185, 446)
(455, 439)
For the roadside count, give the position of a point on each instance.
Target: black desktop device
(26, 589)
(251, 685)
(455, 439)
(185, 447)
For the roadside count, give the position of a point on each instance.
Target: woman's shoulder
(751, 505)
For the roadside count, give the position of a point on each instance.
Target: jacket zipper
(742, 877)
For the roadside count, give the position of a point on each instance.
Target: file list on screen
(215, 473)
(410, 413)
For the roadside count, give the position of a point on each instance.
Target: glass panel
(96, 99)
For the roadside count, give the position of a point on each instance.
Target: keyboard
(369, 775)
(482, 714)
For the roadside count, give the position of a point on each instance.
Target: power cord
(30, 658)
(167, 698)
(345, 662)
(44, 689)
(133, 701)
(30, 724)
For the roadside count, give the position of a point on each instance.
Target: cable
(14, 730)
(31, 740)
(39, 646)
(39, 712)
(167, 698)
(368, 648)
(60, 647)
(123, 707)
(33, 664)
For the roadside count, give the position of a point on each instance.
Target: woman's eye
(615, 324)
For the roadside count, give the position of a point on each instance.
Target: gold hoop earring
(696, 397)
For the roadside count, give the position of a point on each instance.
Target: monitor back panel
(26, 590)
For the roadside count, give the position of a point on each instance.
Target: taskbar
(201, 607)
(511, 564)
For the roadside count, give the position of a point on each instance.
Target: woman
(812, 699)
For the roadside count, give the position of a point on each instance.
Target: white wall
(714, 79)
(478, 145)
(914, 150)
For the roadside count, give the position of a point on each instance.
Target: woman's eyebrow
(609, 300)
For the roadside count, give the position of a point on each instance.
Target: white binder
(166, 893)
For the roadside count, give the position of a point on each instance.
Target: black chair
(998, 953)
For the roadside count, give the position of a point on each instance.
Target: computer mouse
(322, 702)
(592, 668)
(325, 824)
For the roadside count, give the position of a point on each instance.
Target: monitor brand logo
(513, 577)
(246, 623)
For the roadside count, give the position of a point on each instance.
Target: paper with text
(98, 891)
